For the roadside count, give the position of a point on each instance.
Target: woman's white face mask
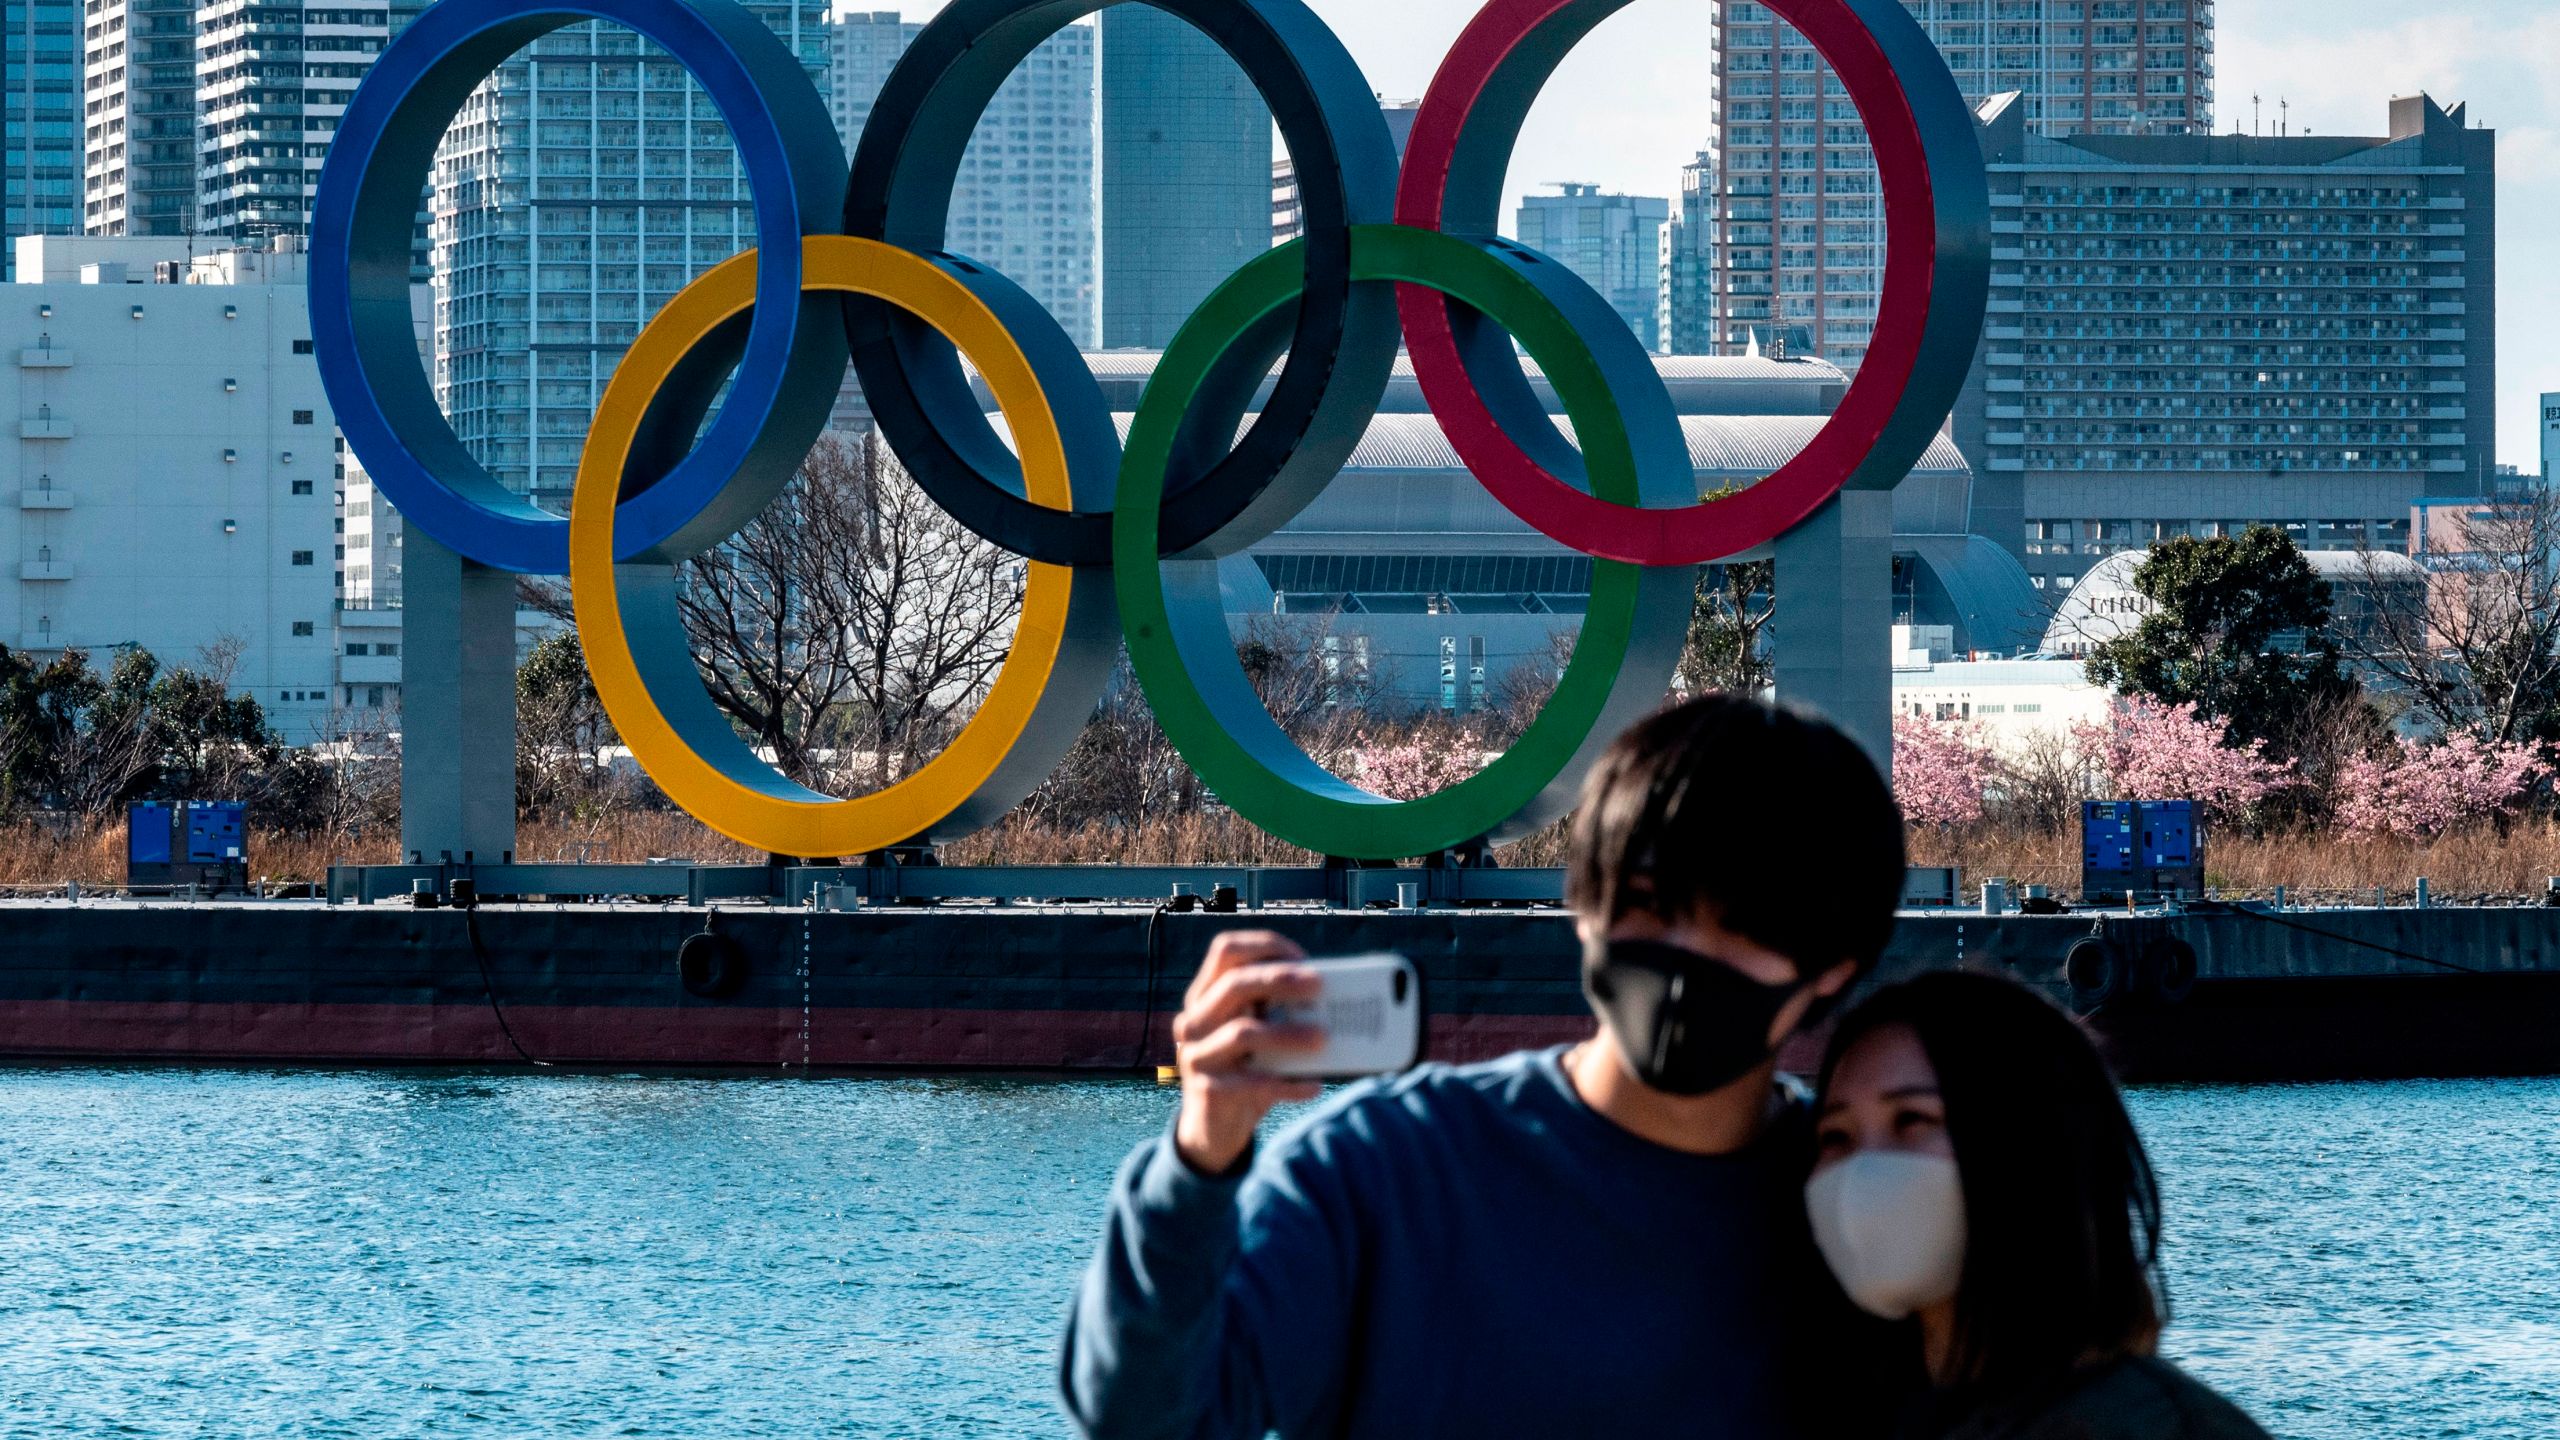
(1891, 1225)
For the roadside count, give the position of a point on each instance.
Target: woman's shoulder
(2147, 1398)
(2202, 1411)
(2140, 1398)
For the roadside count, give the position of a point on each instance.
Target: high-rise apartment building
(139, 69)
(578, 190)
(1025, 202)
(1612, 241)
(1186, 173)
(40, 158)
(1794, 210)
(2190, 334)
(270, 84)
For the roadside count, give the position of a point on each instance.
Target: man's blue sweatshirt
(1472, 1252)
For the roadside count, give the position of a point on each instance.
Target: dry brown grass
(43, 858)
(2478, 862)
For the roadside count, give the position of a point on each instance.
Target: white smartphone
(1371, 1014)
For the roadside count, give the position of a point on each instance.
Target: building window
(373, 695)
(301, 487)
(301, 347)
(301, 557)
(359, 648)
(301, 417)
(301, 629)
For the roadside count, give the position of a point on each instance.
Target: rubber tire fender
(711, 967)
(2171, 968)
(2094, 969)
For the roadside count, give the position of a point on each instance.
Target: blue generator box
(197, 842)
(2133, 849)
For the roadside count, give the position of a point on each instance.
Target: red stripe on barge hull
(699, 1035)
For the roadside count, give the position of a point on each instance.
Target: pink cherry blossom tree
(1941, 771)
(1429, 760)
(2152, 751)
(2417, 791)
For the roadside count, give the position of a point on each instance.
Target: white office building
(172, 467)
(2009, 704)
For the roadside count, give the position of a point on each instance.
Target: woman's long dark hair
(2062, 1211)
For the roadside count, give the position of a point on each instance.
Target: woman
(1977, 1170)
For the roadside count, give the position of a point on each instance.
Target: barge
(2207, 993)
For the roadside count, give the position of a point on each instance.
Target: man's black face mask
(1689, 1023)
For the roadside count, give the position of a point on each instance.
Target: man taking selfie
(1602, 1238)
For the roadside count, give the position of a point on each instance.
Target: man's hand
(1220, 1031)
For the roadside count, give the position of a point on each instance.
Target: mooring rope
(489, 986)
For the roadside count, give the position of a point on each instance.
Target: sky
(1630, 107)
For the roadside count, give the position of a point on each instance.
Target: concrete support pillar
(458, 708)
(1835, 617)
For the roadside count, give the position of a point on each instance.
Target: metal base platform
(898, 881)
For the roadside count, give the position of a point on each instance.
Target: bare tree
(2042, 780)
(2472, 639)
(1520, 692)
(847, 630)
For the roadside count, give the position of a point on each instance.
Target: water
(229, 1253)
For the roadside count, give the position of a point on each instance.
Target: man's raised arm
(1166, 1342)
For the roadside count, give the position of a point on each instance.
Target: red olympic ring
(1487, 81)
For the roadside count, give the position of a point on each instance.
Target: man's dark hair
(2062, 1212)
(1770, 822)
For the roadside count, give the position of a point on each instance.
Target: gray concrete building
(1186, 173)
(1612, 241)
(1419, 581)
(171, 465)
(2191, 334)
(1794, 199)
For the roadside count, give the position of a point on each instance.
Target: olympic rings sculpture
(1122, 541)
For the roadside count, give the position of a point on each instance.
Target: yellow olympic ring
(668, 720)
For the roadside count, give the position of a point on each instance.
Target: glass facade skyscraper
(1025, 203)
(1186, 173)
(1614, 242)
(577, 191)
(40, 165)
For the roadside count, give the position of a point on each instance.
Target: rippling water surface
(226, 1253)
